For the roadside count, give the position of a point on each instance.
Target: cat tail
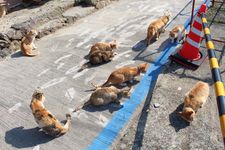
(88, 102)
(95, 85)
(67, 125)
(85, 66)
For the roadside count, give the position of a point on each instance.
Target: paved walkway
(55, 70)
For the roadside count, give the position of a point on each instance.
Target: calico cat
(2, 10)
(48, 122)
(124, 74)
(194, 99)
(105, 95)
(100, 53)
(27, 43)
(157, 27)
(177, 34)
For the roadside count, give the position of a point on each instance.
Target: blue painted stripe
(106, 137)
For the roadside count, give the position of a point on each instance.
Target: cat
(27, 43)
(124, 74)
(3, 10)
(105, 95)
(49, 124)
(177, 34)
(157, 27)
(100, 52)
(194, 99)
(103, 46)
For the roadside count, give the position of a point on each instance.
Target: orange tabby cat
(48, 122)
(177, 33)
(27, 43)
(103, 46)
(2, 10)
(106, 95)
(124, 74)
(100, 52)
(194, 99)
(156, 27)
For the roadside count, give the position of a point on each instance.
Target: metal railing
(215, 69)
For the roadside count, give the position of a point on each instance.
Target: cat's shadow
(142, 45)
(17, 55)
(112, 107)
(23, 138)
(177, 122)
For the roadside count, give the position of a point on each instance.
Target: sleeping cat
(194, 99)
(124, 74)
(100, 53)
(44, 118)
(103, 46)
(177, 33)
(27, 43)
(157, 27)
(106, 95)
(2, 10)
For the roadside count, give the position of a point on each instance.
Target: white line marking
(102, 120)
(14, 108)
(127, 55)
(125, 64)
(61, 58)
(43, 72)
(70, 42)
(53, 82)
(80, 74)
(79, 115)
(88, 79)
(75, 68)
(60, 66)
(53, 48)
(70, 93)
(121, 54)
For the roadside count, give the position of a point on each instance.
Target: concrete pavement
(55, 70)
(161, 128)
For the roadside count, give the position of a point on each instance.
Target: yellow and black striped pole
(218, 84)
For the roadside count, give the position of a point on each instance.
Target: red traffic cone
(190, 49)
(189, 55)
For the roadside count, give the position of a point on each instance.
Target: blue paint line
(106, 137)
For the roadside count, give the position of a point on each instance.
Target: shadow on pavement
(139, 47)
(17, 55)
(177, 122)
(24, 138)
(111, 107)
(144, 115)
(172, 70)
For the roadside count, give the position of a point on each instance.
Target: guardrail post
(218, 84)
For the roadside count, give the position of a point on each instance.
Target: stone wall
(48, 20)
